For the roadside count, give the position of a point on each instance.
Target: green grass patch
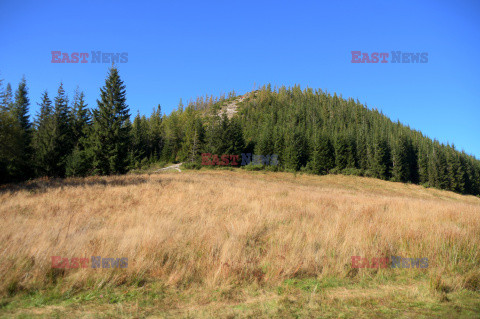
(328, 297)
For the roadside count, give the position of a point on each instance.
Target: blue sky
(186, 49)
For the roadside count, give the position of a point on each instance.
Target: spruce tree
(214, 133)
(475, 178)
(223, 143)
(156, 138)
(21, 105)
(11, 137)
(79, 161)
(442, 169)
(80, 118)
(323, 155)
(278, 142)
(139, 139)
(63, 135)
(19, 110)
(382, 159)
(290, 157)
(460, 175)
(455, 171)
(233, 138)
(7, 98)
(433, 174)
(265, 144)
(172, 131)
(296, 150)
(361, 148)
(192, 143)
(44, 140)
(404, 161)
(344, 152)
(423, 164)
(111, 127)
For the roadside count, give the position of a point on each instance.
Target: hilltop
(316, 132)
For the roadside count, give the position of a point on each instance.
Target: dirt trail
(175, 166)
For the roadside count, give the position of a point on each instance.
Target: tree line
(67, 138)
(310, 131)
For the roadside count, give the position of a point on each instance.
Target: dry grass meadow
(233, 243)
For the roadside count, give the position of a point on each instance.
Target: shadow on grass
(42, 185)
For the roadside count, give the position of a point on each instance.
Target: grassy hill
(228, 243)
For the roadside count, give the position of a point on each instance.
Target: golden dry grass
(217, 228)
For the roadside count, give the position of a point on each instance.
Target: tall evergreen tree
(62, 131)
(156, 139)
(423, 164)
(296, 150)
(441, 165)
(404, 161)
(111, 127)
(173, 136)
(21, 106)
(460, 176)
(233, 138)
(323, 155)
(80, 118)
(19, 110)
(382, 159)
(193, 141)
(455, 172)
(214, 131)
(361, 148)
(79, 161)
(265, 144)
(43, 140)
(223, 142)
(139, 140)
(7, 98)
(345, 152)
(11, 137)
(278, 142)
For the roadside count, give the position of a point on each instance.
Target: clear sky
(185, 49)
